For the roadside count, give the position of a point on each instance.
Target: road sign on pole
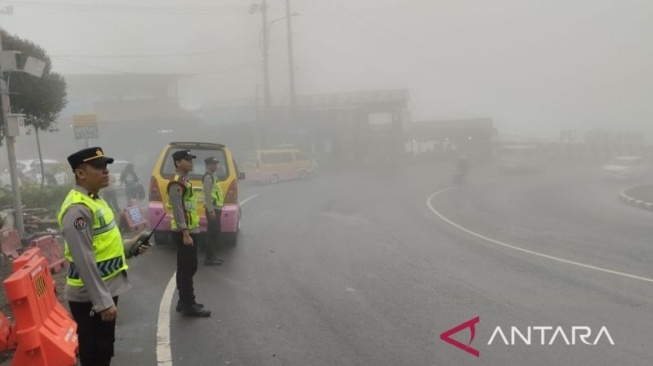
(86, 132)
(85, 126)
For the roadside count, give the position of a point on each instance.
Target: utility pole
(266, 58)
(263, 116)
(291, 76)
(291, 62)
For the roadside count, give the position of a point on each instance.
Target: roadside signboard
(85, 126)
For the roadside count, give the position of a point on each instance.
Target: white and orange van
(274, 165)
(227, 174)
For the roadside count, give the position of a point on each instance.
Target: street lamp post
(11, 154)
(33, 67)
(11, 136)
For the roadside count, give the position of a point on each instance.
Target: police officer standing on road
(186, 227)
(95, 250)
(213, 201)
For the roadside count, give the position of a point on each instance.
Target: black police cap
(211, 160)
(183, 154)
(91, 155)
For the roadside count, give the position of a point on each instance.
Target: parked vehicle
(625, 168)
(274, 165)
(5, 179)
(521, 158)
(227, 174)
(29, 172)
(30, 165)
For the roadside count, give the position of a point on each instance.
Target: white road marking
(163, 354)
(163, 350)
(542, 255)
(247, 199)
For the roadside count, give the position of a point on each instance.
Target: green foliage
(40, 99)
(33, 196)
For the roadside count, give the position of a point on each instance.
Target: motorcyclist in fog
(460, 174)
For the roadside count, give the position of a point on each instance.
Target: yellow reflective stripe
(104, 229)
(100, 216)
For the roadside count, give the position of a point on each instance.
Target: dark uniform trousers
(212, 237)
(96, 337)
(186, 267)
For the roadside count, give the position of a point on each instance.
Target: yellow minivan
(227, 174)
(274, 165)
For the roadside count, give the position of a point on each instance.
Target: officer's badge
(80, 224)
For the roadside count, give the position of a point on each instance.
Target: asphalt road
(359, 269)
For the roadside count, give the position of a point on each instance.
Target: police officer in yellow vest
(95, 250)
(185, 229)
(213, 201)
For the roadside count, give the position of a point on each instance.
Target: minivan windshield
(199, 168)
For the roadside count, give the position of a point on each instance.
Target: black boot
(212, 262)
(180, 306)
(195, 311)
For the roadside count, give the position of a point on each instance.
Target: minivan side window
(300, 156)
(287, 157)
(273, 158)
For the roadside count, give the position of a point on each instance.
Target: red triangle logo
(471, 324)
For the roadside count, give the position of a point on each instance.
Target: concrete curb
(627, 197)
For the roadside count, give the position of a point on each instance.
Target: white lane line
(163, 354)
(163, 350)
(247, 199)
(562, 260)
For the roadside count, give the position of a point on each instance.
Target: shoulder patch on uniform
(180, 191)
(80, 223)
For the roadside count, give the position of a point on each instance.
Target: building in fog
(334, 129)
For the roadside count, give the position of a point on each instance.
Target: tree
(39, 99)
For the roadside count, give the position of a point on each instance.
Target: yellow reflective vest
(191, 216)
(216, 191)
(107, 241)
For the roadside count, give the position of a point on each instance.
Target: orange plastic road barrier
(6, 332)
(46, 335)
(10, 243)
(51, 251)
(27, 256)
(132, 218)
(24, 258)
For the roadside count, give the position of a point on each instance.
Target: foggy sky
(534, 66)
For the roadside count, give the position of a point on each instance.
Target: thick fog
(443, 162)
(533, 66)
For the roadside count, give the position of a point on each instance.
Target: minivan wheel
(274, 179)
